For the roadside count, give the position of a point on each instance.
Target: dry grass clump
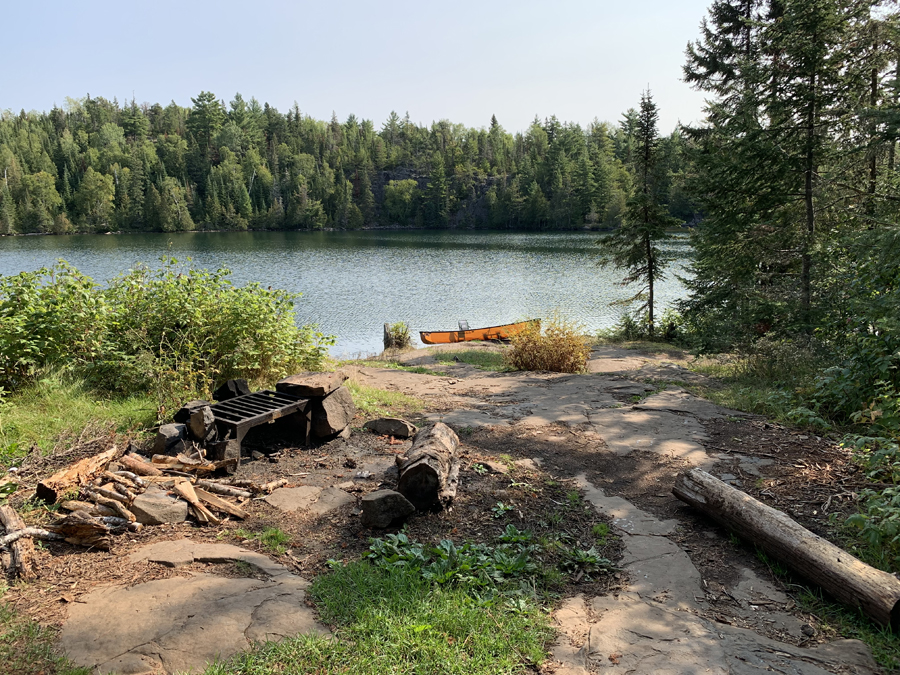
(559, 346)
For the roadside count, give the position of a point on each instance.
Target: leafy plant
(501, 509)
(397, 336)
(557, 345)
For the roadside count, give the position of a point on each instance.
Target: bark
(220, 489)
(846, 578)
(139, 466)
(80, 529)
(430, 473)
(91, 509)
(78, 474)
(27, 533)
(23, 562)
(113, 504)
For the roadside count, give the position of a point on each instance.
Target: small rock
(333, 414)
(391, 426)
(232, 389)
(311, 385)
(257, 455)
(202, 426)
(170, 439)
(495, 467)
(156, 507)
(363, 475)
(383, 507)
(183, 415)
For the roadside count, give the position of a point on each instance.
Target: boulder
(383, 507)
(183, 416)
(202, 426)
(391, 426)
(232, 389)
(170, 439)
(333, 414)
(311, 385)
(156, 507)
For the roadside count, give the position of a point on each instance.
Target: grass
(381, 403)
(393, 365)
(393, 621)
(480, 358)
(26, 647)
(56, 406)
(271, 538)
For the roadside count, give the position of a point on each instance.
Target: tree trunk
(23, 563)
(430, 473)
(78, 474)
(848, 579)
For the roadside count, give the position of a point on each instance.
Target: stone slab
(677, 400)
(316, 500)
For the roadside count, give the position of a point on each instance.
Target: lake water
(354, 282)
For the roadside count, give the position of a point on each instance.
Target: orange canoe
(466, 334)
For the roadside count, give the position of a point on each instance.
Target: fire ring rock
(333, 414)
(383, 507)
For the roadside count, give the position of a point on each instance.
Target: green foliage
(480, 358)
(172, 332)
(557, 345)
(27, 648)
(272, 538)
(397, 336)
(373, 402)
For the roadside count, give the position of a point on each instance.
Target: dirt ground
(809, 478)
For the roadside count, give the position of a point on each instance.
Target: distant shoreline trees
(97, 166)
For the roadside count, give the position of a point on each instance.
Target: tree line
(94, 165)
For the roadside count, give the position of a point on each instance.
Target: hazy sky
(460, 60)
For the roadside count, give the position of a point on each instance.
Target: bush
(173, 332)
(396, 336)
(558, 346)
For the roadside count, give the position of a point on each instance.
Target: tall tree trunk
(650, 274)
(809, 180)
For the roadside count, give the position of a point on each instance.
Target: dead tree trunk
(78, 474)
(430, 473)
(23, 562)
(848, 579)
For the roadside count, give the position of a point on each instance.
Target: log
(220, 504)
(430, 473)
(23, 562)
(274, 485)
(184, 488)
(78, 474)
(126, 482)
(80, 529)
(845, 577)
(220, 489)
(91, 509)
(113, 504)
(139, 466)
(29, 532)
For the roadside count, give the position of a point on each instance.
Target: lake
(354, 282)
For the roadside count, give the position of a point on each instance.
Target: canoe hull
(504, 332)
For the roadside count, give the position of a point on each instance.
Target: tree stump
(430, 473)
(845, 577)
(23, 562)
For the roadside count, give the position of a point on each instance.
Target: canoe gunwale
(487, 333)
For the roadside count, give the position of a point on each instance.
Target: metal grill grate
(243, 412)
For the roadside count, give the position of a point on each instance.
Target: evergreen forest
(98, 166)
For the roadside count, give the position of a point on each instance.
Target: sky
(462, 60)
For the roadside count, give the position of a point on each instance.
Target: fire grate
(238, 415)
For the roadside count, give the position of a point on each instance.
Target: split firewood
(114, 504)
(91, 509)
(200, 516)
(430, 473)
(125, 492)
(80, 529)
(220, 489)
(136, 465)
(274, 485)
(76, 475)
(123, 481)
(186, 490)
(29, 532)
(22, 561)
(220, 504)
(845, 577)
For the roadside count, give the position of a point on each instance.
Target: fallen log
(139, 466)
(184, 488)
(22, 562)
(76, 475)
(80, 529)
(845, 577)
(274, 485)
(29, 532)
(430, 473)
(220, 504)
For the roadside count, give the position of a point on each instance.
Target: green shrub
(559, 346)
(397, 336)
(173, 332)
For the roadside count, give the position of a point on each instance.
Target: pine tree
(636, 246)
